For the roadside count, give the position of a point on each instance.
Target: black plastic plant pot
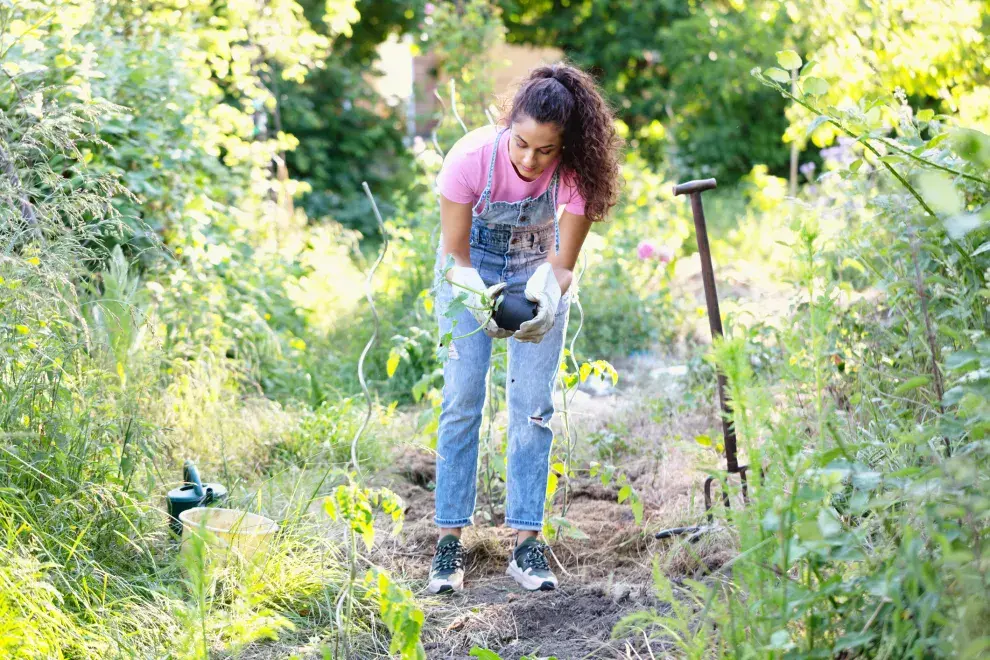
(513, 308)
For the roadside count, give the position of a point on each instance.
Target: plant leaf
(813, 126)
(636, 504)
(912, 384)
(939, 191)
(781, 76)
(788, 59)
(393, 362)
(814, 86)
(624, 493)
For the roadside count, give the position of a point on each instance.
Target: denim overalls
(508, 241)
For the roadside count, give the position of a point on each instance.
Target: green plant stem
(931, 340)
(571, 440)
(480, 294)
(492, 410)
(864, 140)
(896, 147)
(859, 138)
(475, 331)
(345, 594)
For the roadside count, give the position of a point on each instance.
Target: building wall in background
(412, 79)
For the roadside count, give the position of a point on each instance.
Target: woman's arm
(573, 230)
(455, 228)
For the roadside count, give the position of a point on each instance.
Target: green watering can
(192, 493)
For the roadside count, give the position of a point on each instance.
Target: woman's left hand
(543, 289)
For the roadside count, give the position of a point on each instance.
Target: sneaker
(447, 569)
(529, 566)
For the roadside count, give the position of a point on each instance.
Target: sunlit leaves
(972, 145)
(781, 76)
(399, 611)
(814, 86)
(340, 15)
(355, 506)
(393, 362)
(940, 192)
(789, 60)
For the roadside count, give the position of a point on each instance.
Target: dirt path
(646, 428)
(603, 577)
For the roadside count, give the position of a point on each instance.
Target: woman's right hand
(480, 299)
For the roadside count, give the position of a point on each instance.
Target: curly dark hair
(565, 95)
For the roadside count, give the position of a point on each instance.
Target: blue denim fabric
(508, 241)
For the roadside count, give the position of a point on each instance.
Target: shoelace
(450, 557)
(536, 557)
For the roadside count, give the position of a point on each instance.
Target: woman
(501, 189)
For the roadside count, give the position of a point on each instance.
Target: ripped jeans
(500, 254)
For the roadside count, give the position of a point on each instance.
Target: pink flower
(429, 8)
(646, 250)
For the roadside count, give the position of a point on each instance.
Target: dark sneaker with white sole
(529, 566)
(447, 569)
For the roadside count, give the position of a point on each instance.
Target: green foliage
(863, 530)
(626, 299)
(346, 133)
(118, 356)
(400, 613)
(117, 312)
(33, 624)
(725, 121)
(163, 296)
(905, 50)
(694, 641)
(619, 41)
(462, 35)
(356, 506)
(677, 73)
(323, 437)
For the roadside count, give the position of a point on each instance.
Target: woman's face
(533, 147)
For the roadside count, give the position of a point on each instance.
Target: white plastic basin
(228, 530)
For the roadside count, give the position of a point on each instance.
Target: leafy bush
(867, 440)
(677, 73)
(624, 288)
(141, 328)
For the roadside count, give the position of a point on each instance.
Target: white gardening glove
(543, 289)
(464, 276)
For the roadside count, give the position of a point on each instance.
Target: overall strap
(554, 184)
(487, 193)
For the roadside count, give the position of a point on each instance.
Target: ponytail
(568, 97)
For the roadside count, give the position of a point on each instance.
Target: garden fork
(694, 189)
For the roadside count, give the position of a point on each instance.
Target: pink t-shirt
(465, 171)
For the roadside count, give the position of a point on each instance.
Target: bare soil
(608, 575)
(604, 577)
